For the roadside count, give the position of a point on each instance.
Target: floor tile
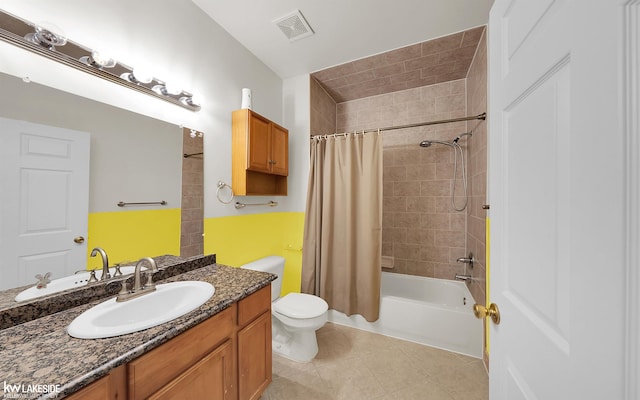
(357, 365)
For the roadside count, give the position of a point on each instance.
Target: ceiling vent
(294, 26)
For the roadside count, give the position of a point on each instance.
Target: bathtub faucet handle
(467, 260)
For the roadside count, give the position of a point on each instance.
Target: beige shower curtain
(343, 223)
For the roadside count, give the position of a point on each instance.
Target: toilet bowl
(295, 318)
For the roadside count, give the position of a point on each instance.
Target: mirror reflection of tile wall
(191, 240)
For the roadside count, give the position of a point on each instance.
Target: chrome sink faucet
(105, 262)
(139, 289)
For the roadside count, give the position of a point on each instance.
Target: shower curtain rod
(482, 116)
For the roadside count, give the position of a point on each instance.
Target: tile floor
(356, 365)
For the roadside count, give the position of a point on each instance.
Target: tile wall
(420, 229)
(476, 216)
(439, 60)
(323, 110)
(192, 208)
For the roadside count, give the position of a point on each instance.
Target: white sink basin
(167, 302)
(68, 282)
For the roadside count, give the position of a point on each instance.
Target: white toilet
(294, 317)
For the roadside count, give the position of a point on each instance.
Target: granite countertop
(7, 297)
(40, 352)
(14, 313)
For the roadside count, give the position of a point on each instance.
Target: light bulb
(140, 75)
(46, 35)
(102, 60)
(172, 88)
(196, 100)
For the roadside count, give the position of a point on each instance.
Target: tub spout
(465, 278)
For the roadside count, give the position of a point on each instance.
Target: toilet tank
(271, 264)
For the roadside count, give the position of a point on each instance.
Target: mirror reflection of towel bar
(243, 205)
(161, 203)
(194, 155)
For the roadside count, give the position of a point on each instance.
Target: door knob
(481, 311)
(78, 239)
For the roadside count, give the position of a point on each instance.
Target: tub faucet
(139, 289)
(464, 278)
(105, 262)
(467, 260)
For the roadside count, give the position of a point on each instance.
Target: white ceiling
(345, 30)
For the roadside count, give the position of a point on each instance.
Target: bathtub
(430, 311)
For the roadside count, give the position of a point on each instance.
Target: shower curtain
(342, 242)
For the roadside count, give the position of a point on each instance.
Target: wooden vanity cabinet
(210, 378)
(110, 387)
(226, 357)
(254, 344)
(200, 359)
(260, 155)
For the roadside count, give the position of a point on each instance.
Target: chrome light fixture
(50, 43)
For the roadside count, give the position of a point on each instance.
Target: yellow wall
(131, 235)
(237, 240)
(487, 275)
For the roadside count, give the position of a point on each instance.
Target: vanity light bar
(21, 33)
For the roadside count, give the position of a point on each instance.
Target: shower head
(428, 143)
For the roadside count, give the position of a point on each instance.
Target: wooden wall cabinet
(260, 155)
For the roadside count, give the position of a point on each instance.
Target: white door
(44, 172)
(557, 199)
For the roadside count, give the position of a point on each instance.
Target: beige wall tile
(323, 110)
(420, 228)
(410, 188)
(192, 204)
(439, 60)
(420, 204)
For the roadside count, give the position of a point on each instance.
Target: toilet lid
(300, 305)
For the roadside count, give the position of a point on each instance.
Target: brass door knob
(481, 312)
(78, 239)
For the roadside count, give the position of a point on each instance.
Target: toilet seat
(300, 305)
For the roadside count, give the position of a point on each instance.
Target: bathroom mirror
(133, 157)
